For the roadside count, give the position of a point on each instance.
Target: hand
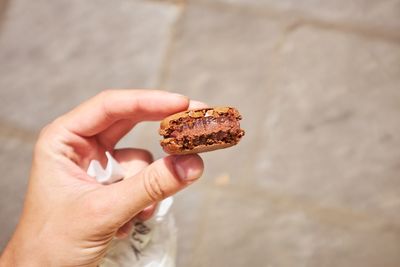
(68, 218)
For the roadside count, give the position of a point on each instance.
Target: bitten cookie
(201, 130)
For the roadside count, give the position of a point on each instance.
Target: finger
(159, 180)
(133, 160)
(147, 213)
(193, 104)
(110, 137)
(108, 107)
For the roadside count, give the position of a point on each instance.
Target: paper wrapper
(151, 243)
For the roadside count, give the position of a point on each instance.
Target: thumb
(157, 181)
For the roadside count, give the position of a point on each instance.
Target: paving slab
(52, 61)
(331, 124)
(376, 17)
(250, 228)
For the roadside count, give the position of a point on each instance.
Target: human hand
(68, 218)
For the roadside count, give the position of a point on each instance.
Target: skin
(68, 218)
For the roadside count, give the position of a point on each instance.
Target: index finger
(100, 112)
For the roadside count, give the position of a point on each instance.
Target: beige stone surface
(333, 119)
(367, 16)
(15, 159)
(259, 228)
(320, 110)
(55, 54)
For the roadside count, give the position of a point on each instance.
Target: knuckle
(53, 127)
(104, 96)
(44, 131)
(136, 105)
(152, 184)
(44, 137)
(50, 132)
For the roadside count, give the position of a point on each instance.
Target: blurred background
(315, 181)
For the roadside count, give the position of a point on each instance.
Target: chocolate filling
(189, 132)
(204, 126)
(220, 137)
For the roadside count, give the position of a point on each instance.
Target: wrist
(21, 253)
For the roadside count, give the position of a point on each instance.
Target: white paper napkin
(113, 172)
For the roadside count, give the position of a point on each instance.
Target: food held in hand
(201, 130)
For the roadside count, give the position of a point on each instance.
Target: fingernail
(188, 167)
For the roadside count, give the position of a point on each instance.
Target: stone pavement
(316, 179)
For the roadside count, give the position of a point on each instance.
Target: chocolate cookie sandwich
(201, 130)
